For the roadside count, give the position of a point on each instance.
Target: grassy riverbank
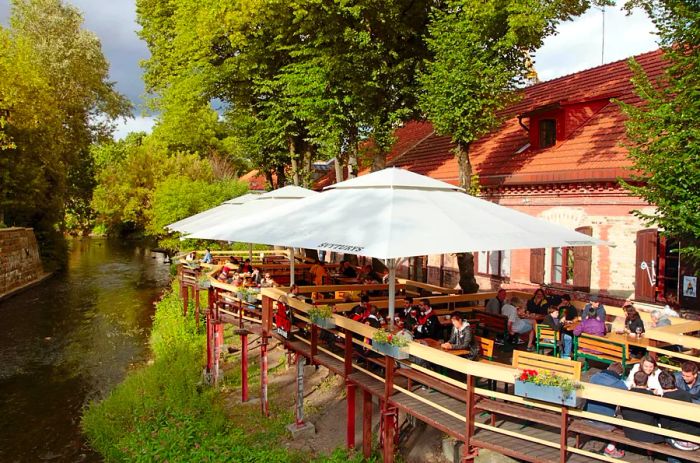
(163, 412)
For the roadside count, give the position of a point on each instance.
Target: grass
(164, 413)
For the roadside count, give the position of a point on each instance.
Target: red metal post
(196, 305)
(263, 377)
(366, 424)
(350, 437)
(244, 367)
(563, 437)
(210, 356)
(388, 415)
(348, 352)
(185, 298)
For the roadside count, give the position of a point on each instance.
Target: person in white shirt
(648, 365)
(518, 325)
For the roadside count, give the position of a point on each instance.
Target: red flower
(526, 375)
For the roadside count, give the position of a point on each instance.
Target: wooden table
(629, 339)
(681, 328)
(438, 345)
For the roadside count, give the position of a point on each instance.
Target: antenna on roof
(602, 41)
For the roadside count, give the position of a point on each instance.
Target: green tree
(481, 57)
(56, 99)
(664, 135)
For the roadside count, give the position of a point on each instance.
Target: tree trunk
(270, 179)
(307, 165)
(378, 160)
(281, 177)
(465, 262)
(338, 164)
(293, 160)
(352, 153)
(461, 152)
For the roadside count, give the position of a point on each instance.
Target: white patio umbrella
(213, 228)
(395, 213)
(210, 216)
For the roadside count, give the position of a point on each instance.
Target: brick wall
(19, 258)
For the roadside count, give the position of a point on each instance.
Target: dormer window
(548, 133)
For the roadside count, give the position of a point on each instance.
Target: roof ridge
(610, 64)
(415, 145)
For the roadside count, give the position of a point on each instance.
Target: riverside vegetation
(163, 412)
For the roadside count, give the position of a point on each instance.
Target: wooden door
(646, 265)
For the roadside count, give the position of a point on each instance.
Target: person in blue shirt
(611, 377)
(599, 311)
(207, 257)
(687, 380)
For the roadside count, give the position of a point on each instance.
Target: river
(70, 340)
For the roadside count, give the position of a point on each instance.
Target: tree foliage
(55, 100)
(481, 58)
(664, 133)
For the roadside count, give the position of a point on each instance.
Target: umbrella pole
(391, 265)
(291, 267)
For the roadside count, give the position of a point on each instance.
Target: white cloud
(577, 46)
(134, 124)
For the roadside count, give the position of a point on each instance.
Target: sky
(577, 46)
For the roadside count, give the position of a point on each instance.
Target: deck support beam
(366, 424)
(389, 414)
(350, 400)
(264, 405)
(468, 452)
(564, 433)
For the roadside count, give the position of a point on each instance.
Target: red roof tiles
(591, 150)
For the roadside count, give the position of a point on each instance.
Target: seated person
(238, 282)
(567, 315)
(659, 319)
(267, 281)
(590, 324)
(428, 323)
(461, 336)
(191, 256)
(361, 312)
(598, 312)
(319, 273)
(368, 272)
(671, 391)
(373, 319)
(538, 304)
(411, 320)
(641, 416)
(223, 275)
(494, 305)
(347, 270)
(611, 377)
(633, 322)
(229, 266)
(552, 319)
(552, 297)
(517, 325)
(408, 306)
(648, 365)
(246, 267)
(207, 259)
(687, 380)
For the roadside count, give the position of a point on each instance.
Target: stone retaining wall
(19, 259)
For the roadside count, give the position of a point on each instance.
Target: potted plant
(322, 316)
(390, 344)
(241, 293)
(547, 387)
(204, 283)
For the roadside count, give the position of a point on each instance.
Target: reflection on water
(70, 340)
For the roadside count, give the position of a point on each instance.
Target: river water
(70, 340)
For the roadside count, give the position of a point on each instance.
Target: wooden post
(185, 298)
(366, 424)
(468, 454)
(348, 352)
(563, 437)
(350, 437)
(244, 363)
(388, 415)
(196, 305)
(210, 355)
(299, 409)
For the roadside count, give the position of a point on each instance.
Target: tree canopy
(664, 133)
(55, 100)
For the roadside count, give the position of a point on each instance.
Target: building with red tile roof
(558, 155)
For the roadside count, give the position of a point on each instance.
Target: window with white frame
(493, 263)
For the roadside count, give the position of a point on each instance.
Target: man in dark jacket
(461, 336)
(640, 416)
(429, 324)
(612, 377)
(687, 380)
(671, 391)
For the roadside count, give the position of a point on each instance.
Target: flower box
(253, 298)
(552, 394)
(325, 323)
(389, 349)
(240, 296)
(204, 284)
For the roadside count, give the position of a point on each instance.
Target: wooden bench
(498, 324)
(588, 347)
